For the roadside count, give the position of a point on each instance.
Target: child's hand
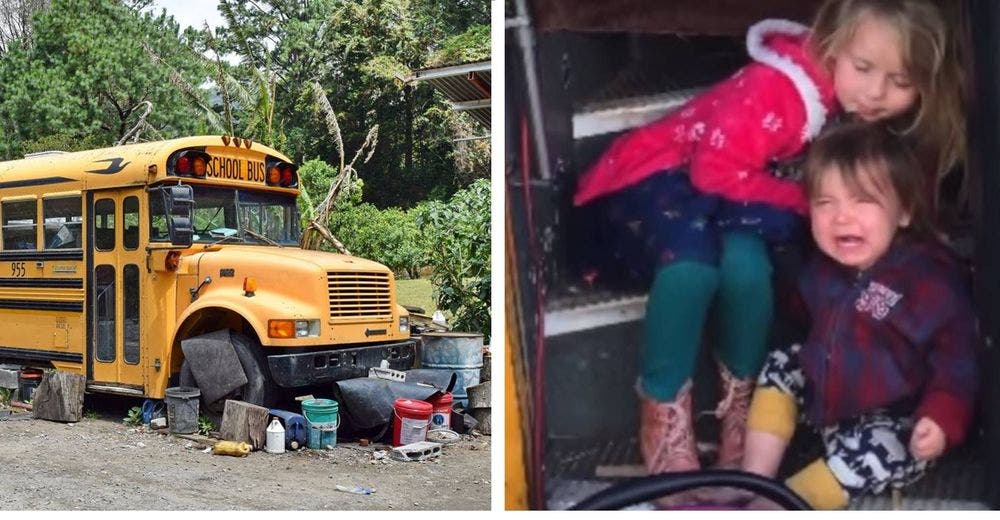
(927, 441)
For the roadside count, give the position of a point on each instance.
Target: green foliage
(457, 240)
(387, 236)
(134, 416)
(6, 396)
(315, 177)
(91, 65)
(90, 414)
(205, 425)
(472, 45)
(357, 52)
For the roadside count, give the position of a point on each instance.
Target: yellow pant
(775, 412)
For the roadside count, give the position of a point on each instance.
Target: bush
(387, 236)
(456, 239)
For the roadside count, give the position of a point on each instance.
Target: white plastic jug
(275, 437)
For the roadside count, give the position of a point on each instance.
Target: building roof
(467, 87)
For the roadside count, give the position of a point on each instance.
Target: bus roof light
(225, 140)
(247, 142)
(199, 166)
(189, 162)
(273, 175)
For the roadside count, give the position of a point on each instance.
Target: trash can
(182, 409)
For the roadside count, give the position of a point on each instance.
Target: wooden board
(244, 422)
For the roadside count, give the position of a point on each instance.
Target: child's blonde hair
(932, 59)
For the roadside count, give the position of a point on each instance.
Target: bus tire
(259, 389)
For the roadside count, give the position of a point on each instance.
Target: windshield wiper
(260, 237)
(221, 240)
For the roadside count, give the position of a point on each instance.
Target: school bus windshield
(235, 216)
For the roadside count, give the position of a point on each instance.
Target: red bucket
(409, 422)
(441, 416)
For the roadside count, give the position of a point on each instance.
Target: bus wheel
(259, 389)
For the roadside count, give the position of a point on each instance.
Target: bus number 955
(17, 269)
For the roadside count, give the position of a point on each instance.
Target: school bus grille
(356, 296)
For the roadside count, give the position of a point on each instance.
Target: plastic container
(182, 409)
(441, 411)
(322, 435)
(320, 410)
(233, 448)
(27, 382)
(275, 437)
(410, 420)
(296, 428)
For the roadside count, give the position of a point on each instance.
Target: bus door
(115, 354)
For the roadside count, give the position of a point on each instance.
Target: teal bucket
(322, 435)
(320, 411)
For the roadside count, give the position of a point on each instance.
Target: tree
(359, 52)
(15, 22)
(94, 68)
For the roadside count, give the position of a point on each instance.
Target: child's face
(855, 225)
(868, 73)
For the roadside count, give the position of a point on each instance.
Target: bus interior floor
(580, 468)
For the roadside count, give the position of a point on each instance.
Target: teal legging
(679, 301)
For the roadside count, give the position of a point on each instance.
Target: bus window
(104, 334)
(158, 230)
(19, 224)
(130, 277)
(104, 224)
(130, 215)
(63, 218)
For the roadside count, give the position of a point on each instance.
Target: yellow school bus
(177, 263)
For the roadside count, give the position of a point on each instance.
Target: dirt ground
(100, 463)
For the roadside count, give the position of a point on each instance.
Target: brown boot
(732, 411)
(666, 434)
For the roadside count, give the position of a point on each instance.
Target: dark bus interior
(581, 73)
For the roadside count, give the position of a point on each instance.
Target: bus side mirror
(178, 201)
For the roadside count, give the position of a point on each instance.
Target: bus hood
(283, 258)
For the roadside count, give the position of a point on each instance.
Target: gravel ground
(100, 463)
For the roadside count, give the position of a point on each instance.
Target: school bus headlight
(287, 329)
(404, 324)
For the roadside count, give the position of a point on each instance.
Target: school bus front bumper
(327, 366)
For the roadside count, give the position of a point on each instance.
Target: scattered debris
(379, 456)
(443, 436)
(416, 451)
(364, 442)
(357, 490)
(158, 423)
(384, 372)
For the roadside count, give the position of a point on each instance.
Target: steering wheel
(643, 489)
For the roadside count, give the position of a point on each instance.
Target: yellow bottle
(236, 449)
